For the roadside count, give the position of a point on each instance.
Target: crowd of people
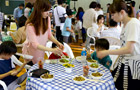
(42, 22)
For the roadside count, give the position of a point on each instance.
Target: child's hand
(14, 72)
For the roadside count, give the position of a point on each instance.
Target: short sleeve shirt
(67, 25)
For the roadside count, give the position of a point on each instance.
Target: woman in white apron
(127, 72)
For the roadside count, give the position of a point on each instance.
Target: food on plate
(94, 65)
(92, 61)
(79, 78)
(67, 65)
(97, 74)
(64, 60)
(46, 76)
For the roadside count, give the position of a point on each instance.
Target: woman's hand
(57, 51)
(61, 46)
(102, 54)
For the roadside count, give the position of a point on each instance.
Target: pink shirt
(32, 41)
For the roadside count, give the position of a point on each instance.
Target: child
(67, 27)
(7, 68)
(102, 44)
(55, 56)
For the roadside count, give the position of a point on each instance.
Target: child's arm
(6, 74)
(21, 67)
(69, 30)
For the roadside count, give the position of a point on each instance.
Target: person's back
(90, 16)
(112, 31)
(102, 44)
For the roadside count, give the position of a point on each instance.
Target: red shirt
(54, 56)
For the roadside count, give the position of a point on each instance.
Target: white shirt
(26, 12)
(111, 32)
(61, 11)
(100, 12)
(89, 18)
(132, 33)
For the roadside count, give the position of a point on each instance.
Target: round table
(63, 80)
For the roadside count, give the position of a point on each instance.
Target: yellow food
(68, 65)
(97, 74)
(93, 61)
(79, 78)
(47, 76)
(64, 60)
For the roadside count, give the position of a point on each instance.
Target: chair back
(113, 41)
(113, 57)
(67, 49)
(13, 26)
(3, 85)
(19, 63)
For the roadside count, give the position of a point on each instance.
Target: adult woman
(38, 31)
(126, 75)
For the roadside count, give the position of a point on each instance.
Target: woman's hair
(8, 47)
(119, 5)
(36, 18)
(29, 5)
(93, 5)
(99, 17)
(102, 44)
(80, 9)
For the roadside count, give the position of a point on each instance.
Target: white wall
(85, 4)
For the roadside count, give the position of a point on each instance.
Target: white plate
(47, 80)
(94, 69)
(79, 82)
(91, 62)
(96, 77)
(80, 59)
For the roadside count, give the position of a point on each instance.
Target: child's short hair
(54, 45)
(8, 47)
(102, 43)
(69, 12)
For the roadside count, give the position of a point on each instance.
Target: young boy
(102, 44)
(7, 68)
(67, 27)
(54, 56)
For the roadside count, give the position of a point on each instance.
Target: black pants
(132, 84)
(59, 34)
(84, 37)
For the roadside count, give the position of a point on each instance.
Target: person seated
(55, 56)
(102, 44)
(7, 68)
(20, 35)
(113, 31)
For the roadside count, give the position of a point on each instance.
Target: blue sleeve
(15, 13)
